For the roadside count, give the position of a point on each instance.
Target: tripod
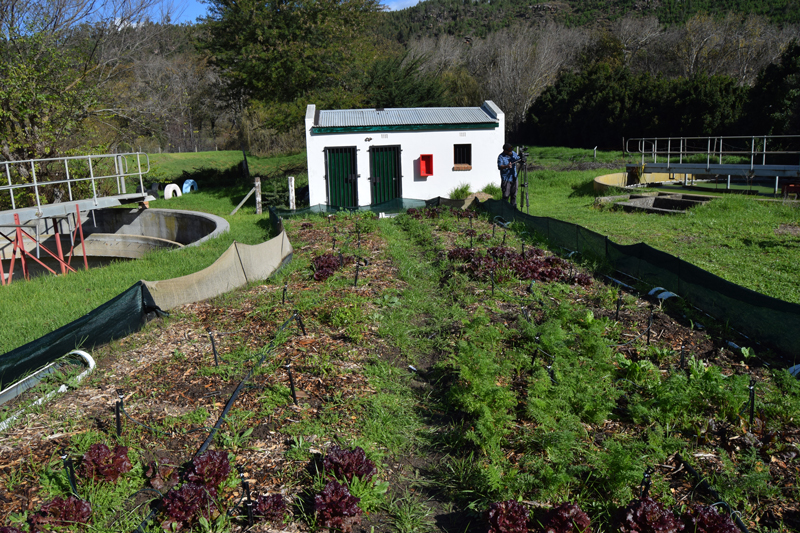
(526, 200)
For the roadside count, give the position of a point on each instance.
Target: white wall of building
(486, 145)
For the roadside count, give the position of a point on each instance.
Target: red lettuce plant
(272, 508)
(162, 475)
(336, 508)
(706, 519)
(507, 517)
(647, 516)
(566, 518)
(326, 264)
(209, 470)
(185, 505)
(99, 462)
(345, 464)
(60, 512)
(9, 529)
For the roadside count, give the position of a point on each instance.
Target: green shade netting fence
(764, 319)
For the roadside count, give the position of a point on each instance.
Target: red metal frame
(19, 246)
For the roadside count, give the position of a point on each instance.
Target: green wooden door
(341, 173)
(385, 174)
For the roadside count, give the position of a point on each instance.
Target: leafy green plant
(460, 192)
(479, 390)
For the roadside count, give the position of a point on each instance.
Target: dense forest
(469, 18)
(78, 76)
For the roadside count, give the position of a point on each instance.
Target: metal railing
(715, 148)
(21, 176)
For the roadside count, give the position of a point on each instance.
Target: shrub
(99, 462)
(460, 192)
(494, 190)
(507, 517)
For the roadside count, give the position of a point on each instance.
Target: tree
(774, 103)
(57, 58)
(399, 82)
(279, 50)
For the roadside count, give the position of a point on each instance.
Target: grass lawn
(449, 388)
(749, 242)
(21, 304)
(172, 166)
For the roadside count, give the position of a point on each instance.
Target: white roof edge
(491, 109)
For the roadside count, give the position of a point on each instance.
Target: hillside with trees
(479, 18)
(78, 76)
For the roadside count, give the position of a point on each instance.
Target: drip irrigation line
(241, 385)
(701, 481)
(121, 404)
(266, 351)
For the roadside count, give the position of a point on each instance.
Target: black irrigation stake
(470, 239)
(552, 374)
(714, 494)
(355, 283)
(646, 481)
(291, 383)
(493, 228)
(492, 282)
(470, 222)
(334, 244)
(619, 303)
(213, 347)
(358, 233)
(530, 288)
(341, 260)
(283, 298)
(118, 418)
(70, 470)
(248, 505)
(752, 401)
(300, 322)
(526, 313)
(523, 249)
(683, 358)
(649, 326)
(504, 237)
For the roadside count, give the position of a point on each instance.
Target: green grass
(734, 237)
(169, 167)
(67, 298)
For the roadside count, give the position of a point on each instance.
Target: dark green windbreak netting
(765, 319)
(116, 318)
(394, 206)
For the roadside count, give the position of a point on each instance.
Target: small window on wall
(462, 157)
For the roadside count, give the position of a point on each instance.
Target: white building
(360, 157)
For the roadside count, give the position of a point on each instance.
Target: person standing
(507, 165)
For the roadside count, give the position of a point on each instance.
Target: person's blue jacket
(508, 174)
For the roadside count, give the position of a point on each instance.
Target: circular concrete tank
(116, 234)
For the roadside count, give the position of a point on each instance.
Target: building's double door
(341, 172)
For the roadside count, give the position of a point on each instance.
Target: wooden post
(258, 195)
(292, 205)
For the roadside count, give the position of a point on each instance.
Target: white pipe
(62, 389)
